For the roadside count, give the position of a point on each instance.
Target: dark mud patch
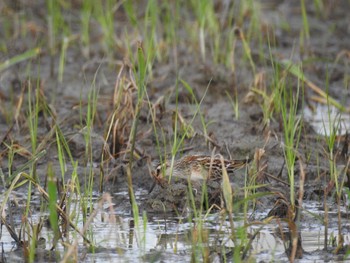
(168, 231)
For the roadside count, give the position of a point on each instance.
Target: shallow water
(170, 238)
(326, 119)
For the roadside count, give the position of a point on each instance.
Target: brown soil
(232, 137)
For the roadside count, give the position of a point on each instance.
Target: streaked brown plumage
(199, 167)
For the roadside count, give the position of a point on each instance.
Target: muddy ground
(326, 53)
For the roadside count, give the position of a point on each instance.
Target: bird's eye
(158, 169)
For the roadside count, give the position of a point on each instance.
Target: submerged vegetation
(95, 95)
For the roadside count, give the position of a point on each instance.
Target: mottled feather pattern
(230, 166)
(199, 167)
(214, 165)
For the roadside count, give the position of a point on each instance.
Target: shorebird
(199, 167)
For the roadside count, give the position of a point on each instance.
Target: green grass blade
(19, 58)
(295, 71)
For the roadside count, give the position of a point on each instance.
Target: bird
(283, 209)
(199, 167)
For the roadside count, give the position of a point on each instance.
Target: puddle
(324, 119)
(221, 121)
(169, 238)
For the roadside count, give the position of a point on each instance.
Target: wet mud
(233, 137)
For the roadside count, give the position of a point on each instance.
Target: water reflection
(119, 238)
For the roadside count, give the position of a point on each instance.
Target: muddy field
(96, 121)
